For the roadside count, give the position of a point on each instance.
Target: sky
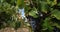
(22, 12)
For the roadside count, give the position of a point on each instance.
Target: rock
(7, 30)
(23, 30)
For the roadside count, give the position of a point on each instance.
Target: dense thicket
(47, 12)
(43, 15)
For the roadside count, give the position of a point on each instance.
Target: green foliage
(44, 7)
(50, 9)
(8, 14)
(47, 24)
(33, 13)
(20, 3)
(17, 25)
(56, 13)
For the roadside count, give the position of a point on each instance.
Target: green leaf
(58, 4)
(52, 2)
(20, 3)
(57, 25)
(44, 7)
(33, 13)
(47, 24)
(56, 13)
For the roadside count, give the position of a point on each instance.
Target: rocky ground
(8, 29)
